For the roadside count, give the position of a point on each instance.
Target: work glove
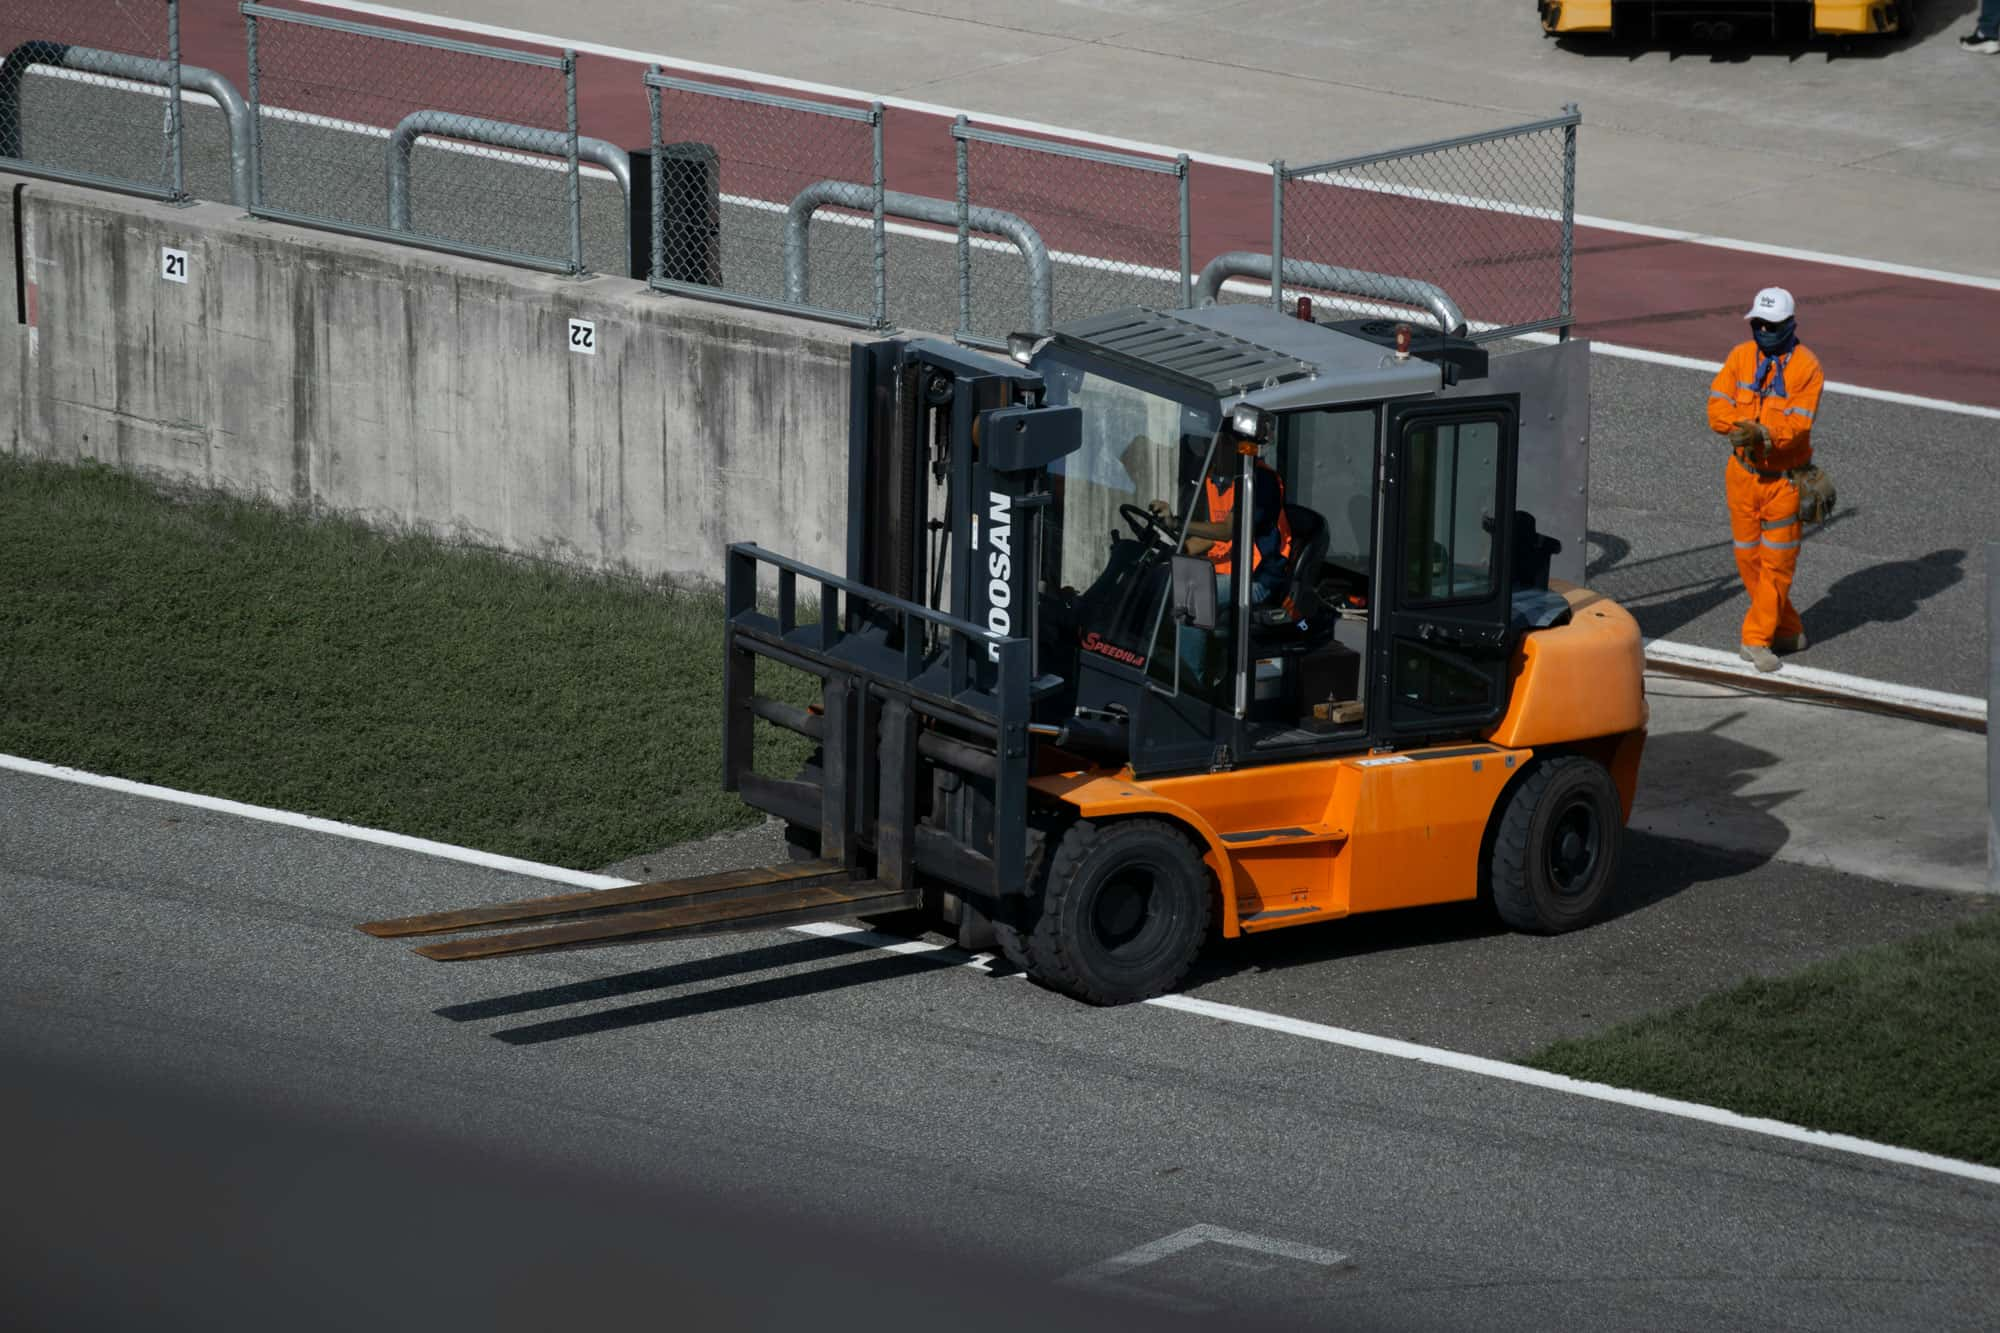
(1750, 438)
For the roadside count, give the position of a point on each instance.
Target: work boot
(1789, 643)
(1758, 655)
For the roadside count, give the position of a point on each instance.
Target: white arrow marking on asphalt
(1108, 1276)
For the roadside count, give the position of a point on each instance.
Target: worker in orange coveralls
(1763, 399)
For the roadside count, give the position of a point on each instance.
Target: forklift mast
(926, 650)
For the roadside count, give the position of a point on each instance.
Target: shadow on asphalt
(1651, 870)
(1666, 592)
(1893, 590)
(789, 954)
(865, 969)
(1677, 42)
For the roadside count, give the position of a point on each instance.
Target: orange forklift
(1046, 719)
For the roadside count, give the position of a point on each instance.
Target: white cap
(1773, 303)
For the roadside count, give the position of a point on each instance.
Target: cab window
(1451, 490)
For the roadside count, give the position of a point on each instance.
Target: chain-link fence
(90, 91)
(393, 134)
(1489, 218)
(768, 200)
(1116, 226)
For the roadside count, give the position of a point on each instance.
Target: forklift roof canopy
(1250, 353)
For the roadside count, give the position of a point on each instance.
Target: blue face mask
(1776, 340)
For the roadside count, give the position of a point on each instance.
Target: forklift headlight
(1251, 423)
(1023, 346)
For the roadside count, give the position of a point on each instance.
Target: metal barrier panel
(90, 92)
(727, 164)
(1116, 225)
(1489, 217)
(327, 96)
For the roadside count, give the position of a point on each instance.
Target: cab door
(1445, 582)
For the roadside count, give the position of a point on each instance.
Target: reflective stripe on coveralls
(1763, 520)
(1763, 502)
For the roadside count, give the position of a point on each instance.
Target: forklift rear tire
(1555, 852)
(1124, 911)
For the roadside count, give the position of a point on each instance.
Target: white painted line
(189, 97)
(1833, 682)
(1111, 141)
(402, 841)
(1882, 266)
(1228, 1013)
(1112, 1276)
(1512, 1073)
(1624, 353)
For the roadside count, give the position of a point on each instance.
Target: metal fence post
(175, 141)
(1278, 234)
(1187, 259)
(1569, 215)
(256, 116)
(659, 182)
(575, 170)
(964, 235)
(881, 226)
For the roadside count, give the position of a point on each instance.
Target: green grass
(1898, 1043)
(235, 649)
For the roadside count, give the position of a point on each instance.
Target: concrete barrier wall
(420, 390)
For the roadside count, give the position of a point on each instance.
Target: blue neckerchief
(1776, 365)
(1774, 361)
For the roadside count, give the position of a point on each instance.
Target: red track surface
(1905, 334)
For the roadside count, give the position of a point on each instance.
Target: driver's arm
(1206, 531)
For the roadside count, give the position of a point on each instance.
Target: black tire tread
(1044, 954)
(1513, 897)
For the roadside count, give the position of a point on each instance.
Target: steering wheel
(1146, 526)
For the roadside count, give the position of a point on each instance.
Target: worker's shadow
(1666, 593)
(1653, 865)
(1882, 593)
(1663, 592)
(854, 968)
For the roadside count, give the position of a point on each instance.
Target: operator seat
(1297, 601)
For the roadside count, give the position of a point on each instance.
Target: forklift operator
(1208, 529)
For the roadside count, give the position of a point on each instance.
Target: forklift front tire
(1556, 849)
(1124, 912)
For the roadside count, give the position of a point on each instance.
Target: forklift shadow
(864, 969)
(1694, 787)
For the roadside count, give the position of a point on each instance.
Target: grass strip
(1899, 1043)
(234, 648)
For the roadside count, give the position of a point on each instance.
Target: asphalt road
(904, 1103)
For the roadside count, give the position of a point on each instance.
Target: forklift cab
(1375, 495)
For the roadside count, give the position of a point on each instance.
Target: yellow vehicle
(1725, 20)
(1052, 717)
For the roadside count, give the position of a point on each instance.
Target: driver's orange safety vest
(1223, 503)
